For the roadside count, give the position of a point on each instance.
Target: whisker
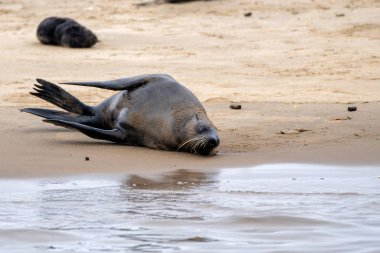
(183, 144)
(186, 142)
(204, 144)
(193, 144)
(199, 143)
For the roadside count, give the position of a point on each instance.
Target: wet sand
(30, 147)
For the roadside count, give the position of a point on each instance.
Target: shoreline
(32, 148)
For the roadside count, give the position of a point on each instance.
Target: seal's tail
(61, 98)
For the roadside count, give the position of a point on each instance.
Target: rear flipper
(58, 115)
(114, 135)
(61, 98)
(129, 83)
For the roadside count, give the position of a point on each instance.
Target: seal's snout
(213, 142)
(209, 146)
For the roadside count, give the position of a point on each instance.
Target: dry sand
(291, 65)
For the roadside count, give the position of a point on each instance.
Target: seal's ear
(196, 116)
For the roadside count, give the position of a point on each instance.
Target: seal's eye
(202, 129)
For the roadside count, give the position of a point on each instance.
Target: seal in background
(65, 32)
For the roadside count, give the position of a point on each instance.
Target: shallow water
(269, 208)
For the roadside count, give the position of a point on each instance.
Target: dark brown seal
(154, 111)
(65, 32)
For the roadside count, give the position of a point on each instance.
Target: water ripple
(261, 209)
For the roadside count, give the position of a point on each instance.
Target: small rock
(248, 14)
(343, 118)
(339, 15)
(235, 106)
(293, 131)
(87, 158)
(352, 108)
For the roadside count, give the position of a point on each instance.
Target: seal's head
(199, 135)
(46, 30)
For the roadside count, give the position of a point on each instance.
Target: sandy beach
(293, 65)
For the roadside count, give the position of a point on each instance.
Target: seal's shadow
(89, 143)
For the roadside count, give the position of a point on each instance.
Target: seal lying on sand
(154, 111)
(65, 32)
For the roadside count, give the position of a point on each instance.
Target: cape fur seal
(154, 111)
(65, 32)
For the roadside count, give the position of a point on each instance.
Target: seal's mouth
(200, 145)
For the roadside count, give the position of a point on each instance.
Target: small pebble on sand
(235, 106)
(352, 108)
(248, 14)
(87, 158)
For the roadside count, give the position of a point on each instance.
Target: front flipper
(114, 135)
(129, 83)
